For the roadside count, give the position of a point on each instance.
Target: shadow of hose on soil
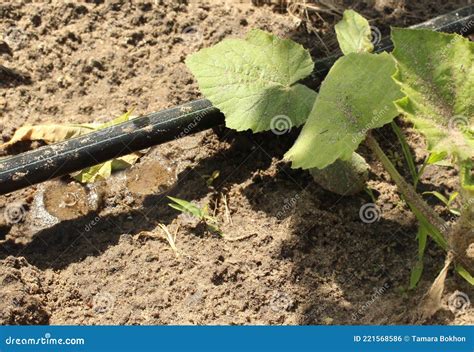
(72, 241)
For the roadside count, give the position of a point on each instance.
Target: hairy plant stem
(411, 197)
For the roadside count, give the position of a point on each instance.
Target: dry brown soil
(293, 252)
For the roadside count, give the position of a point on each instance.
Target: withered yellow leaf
(50, 133)
(53, 133)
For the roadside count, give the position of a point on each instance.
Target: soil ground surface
(293, 253)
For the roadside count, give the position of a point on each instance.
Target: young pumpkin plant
(428, 79)
(361, 81)
(253, 81)
(439, 103)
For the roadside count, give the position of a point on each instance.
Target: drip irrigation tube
(155, 128)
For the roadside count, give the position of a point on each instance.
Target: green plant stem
(426, 216)
(405, 188)
(406, 152)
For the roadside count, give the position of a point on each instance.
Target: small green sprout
(202, 214)
(446, 201)
(211, 178)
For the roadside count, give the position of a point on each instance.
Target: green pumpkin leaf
(356, 96)
(253, 80)
(353, 33)
(344, 177)
(436, 72)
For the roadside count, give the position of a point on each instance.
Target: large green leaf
(353, 33)
(356, 96)
(253, 81)
(436, 72)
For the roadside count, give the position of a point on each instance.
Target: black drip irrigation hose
(63, 158)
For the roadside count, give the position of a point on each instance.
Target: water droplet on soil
(150, 177)
(67, 201)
